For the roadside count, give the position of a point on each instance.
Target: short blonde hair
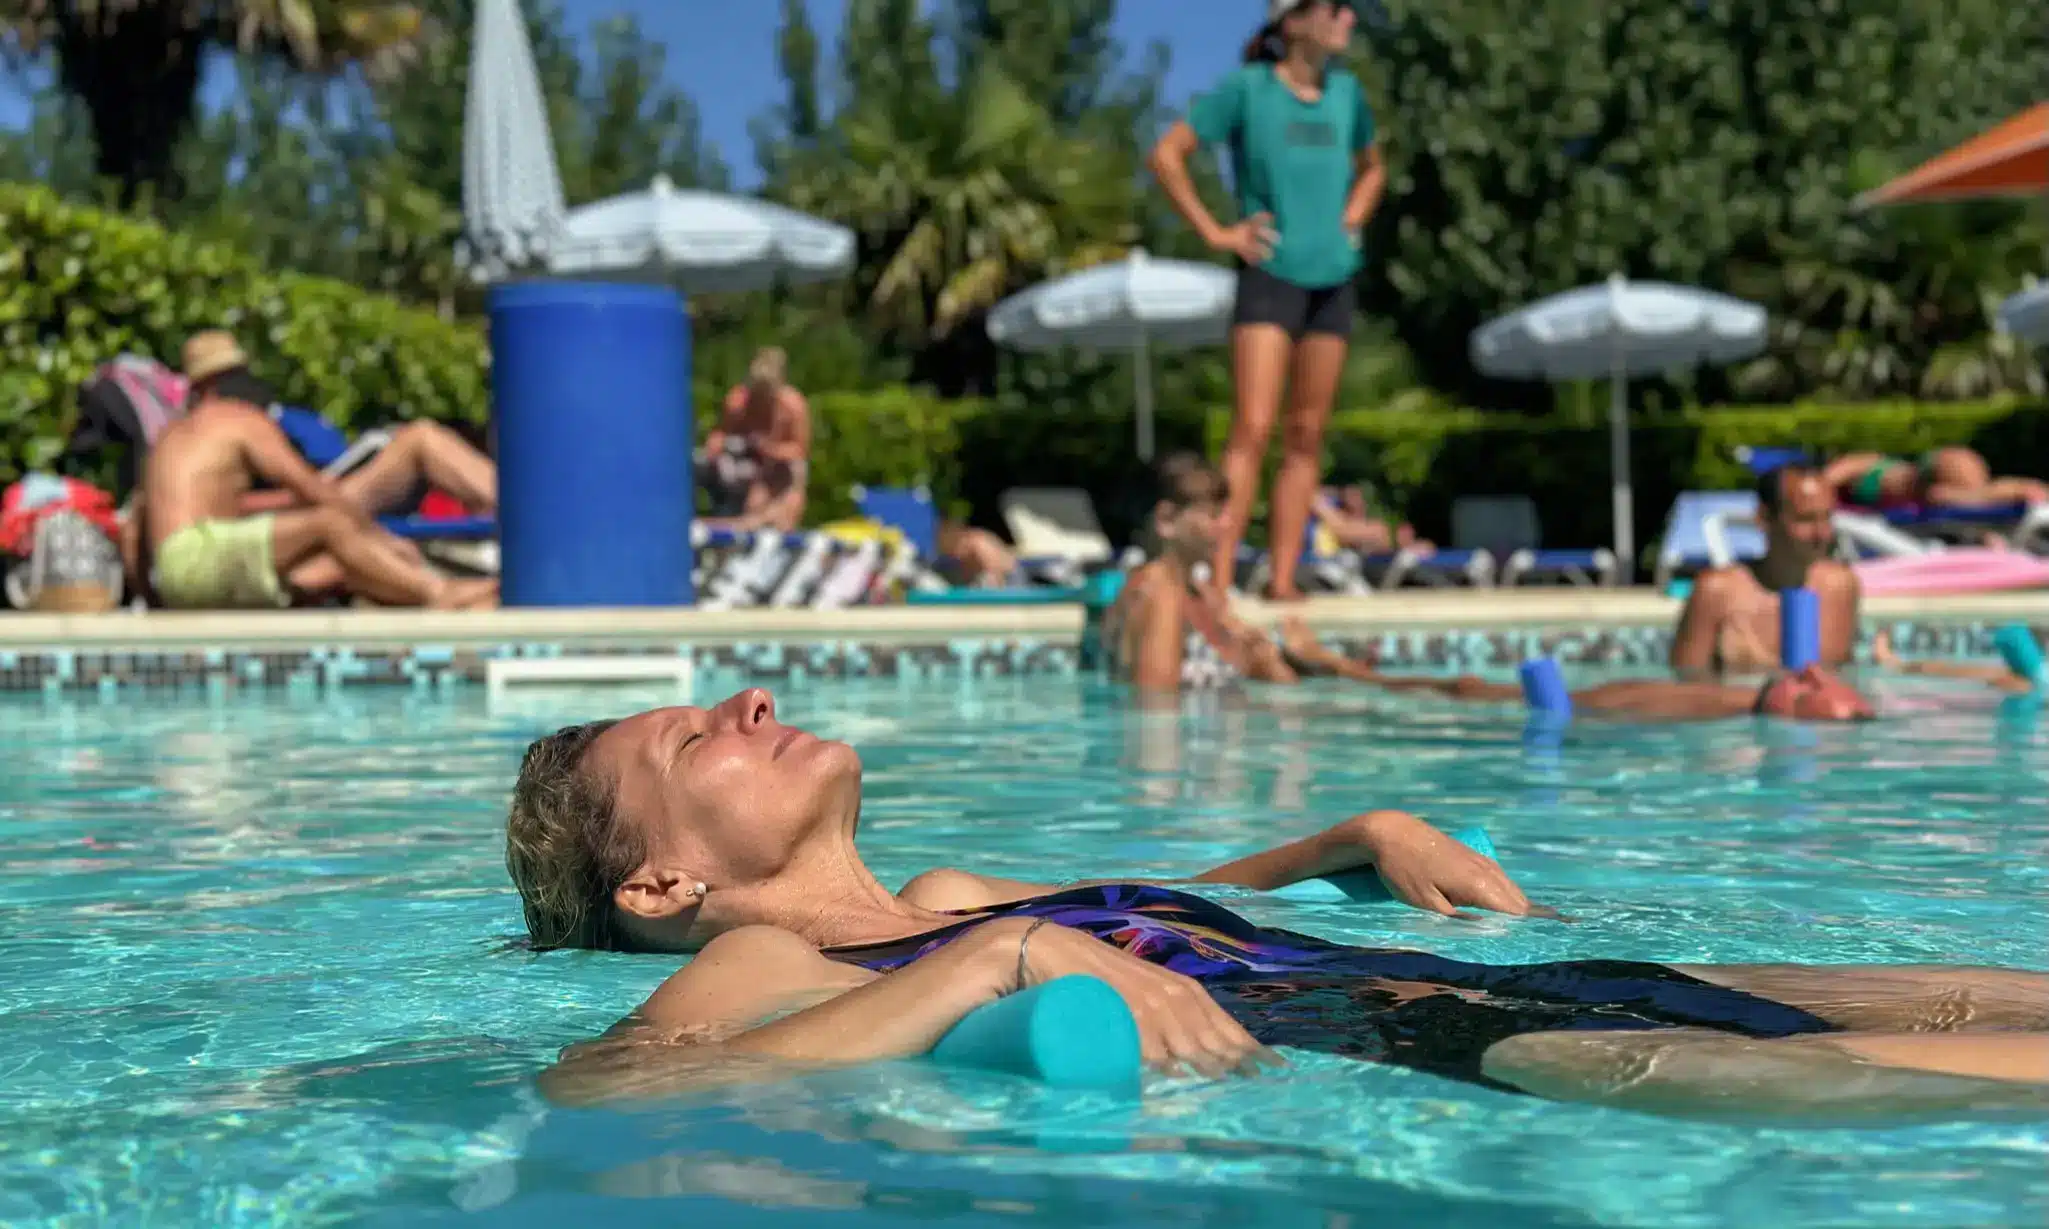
(769, 367)
(566, 846)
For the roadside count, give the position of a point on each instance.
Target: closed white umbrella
(2026, 314)
(511, 191)
(1130, 306)
(1618, 330)
(699, 241)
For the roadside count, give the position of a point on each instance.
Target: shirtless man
(754, 462)
(208, 554)
(1730, 624)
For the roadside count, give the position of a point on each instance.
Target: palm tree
(135, 64)
(961, 194)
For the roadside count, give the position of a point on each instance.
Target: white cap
(1277, 9)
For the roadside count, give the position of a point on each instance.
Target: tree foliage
(1542, 145)
(136, 64)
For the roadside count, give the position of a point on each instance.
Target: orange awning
(2010, 160)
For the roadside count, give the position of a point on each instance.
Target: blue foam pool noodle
(1071, 1032)
(1799, 628)
(2023, 656)
(1363, 884)
(1544, 688)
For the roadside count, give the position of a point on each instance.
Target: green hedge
(79, 285)
(970, 452)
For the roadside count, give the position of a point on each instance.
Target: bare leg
(423, 454)
(1319, 362)
(1882, 654)
(1259, 367)
(1835, 1078)
(369, 566)
(1997, 493)
(1907, 998)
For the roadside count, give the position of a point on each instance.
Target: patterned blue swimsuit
(1374, 1004)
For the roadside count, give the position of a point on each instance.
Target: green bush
(79, 285)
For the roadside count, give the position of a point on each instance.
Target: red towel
(18, 518)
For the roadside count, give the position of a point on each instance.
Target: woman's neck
(829, 897)
(1301, 70)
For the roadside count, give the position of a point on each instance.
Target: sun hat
(209, 353)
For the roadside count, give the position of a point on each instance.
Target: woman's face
(1325, 25)
(727, 794)
(1189, 531)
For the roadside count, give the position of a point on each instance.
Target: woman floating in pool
(1942, 478)
(725, 833)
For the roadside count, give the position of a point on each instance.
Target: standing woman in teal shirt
(1308, 175)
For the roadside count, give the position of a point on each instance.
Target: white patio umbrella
(2026, 314)
(1618, 330)
(516, 221)
(511, 191)
(1130, 306)
(699, 241)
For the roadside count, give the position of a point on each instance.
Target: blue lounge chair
(1708, 529)
(1506, 527)
(910, 511)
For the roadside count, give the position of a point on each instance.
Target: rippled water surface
(260, 968)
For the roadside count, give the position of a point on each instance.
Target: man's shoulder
(1832, 576)
(1730, 579)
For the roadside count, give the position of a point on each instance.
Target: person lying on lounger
(1941, 478)
(724, 834)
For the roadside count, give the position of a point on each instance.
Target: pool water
(262, 967)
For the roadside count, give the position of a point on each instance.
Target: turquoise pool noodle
(1071, 1032)
(1364, 884)
(2017, 647)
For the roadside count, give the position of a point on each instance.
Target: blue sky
(723, 51)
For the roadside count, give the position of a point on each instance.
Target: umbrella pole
(1143, 378)
(1618, 460)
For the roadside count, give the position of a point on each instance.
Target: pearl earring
(698, 890)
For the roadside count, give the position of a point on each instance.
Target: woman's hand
(1251, 240)
(1425, 868)
(1179, 1025)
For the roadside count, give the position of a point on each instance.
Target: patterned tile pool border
(428, 666)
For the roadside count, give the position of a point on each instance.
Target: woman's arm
(713, 1011)
(1169, 163)
(1421, 865)
(1849, 467)
(1371, 181)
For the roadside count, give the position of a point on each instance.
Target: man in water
(1812, 694)
(1730, 624)
(209, 554)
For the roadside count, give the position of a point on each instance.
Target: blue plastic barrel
(590, 384)
(1799, 628)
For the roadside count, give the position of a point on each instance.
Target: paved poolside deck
(1427, 611)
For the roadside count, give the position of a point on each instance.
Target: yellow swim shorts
(219, 565)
